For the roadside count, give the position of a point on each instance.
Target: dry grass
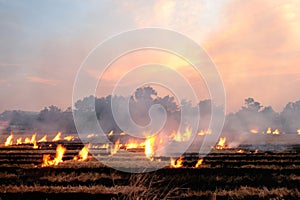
(248, 192)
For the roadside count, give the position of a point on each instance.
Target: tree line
(252, 114)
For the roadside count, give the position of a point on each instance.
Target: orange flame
(111, 133)
(176, 163)
(276, 132)
(19, 140)
(269, 131)
(132, 144)
(83, 154)
(9, 140)
(199, 162)
(33, 138)
(116, 148)
(203, 132)
(43, 139)
(149, 150)
(91, 135)
(27, 140)
(123, 133)
(240, 151)
(57, 137)
(186, 136)
(254, 131)
(35, 146)
(104, 146)
(60, 151)
(69, 138)
(298, 131)
(221, 143)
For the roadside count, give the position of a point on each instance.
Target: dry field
(224, 174)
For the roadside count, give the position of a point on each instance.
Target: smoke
(248, 125)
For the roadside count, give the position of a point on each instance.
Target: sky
(254, 44)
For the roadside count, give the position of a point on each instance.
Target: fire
(298, 131)
(254, 131)
(276, 132)
(178, 137)
(176, 163)
(132, 145)
(83, 154)
(221, 143)
(33, 139)
(111, 133)
(60, 151)
(203, 132)
(269, 131)
(43, 139)
(123, 133)
(9, 140)
(149, 150)
(27, 140)
(19, 140)
(116, 147)
(240, 151)
(35, 146)
(199, 162)
(104, 146)
(69, 138)
(57, 137)
(91, 135)
(187, 134)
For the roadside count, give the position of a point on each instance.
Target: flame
(298, 131)
(69, 138)
(254, 131)
(221, 143)
(46, 160)
(19, 140)
(111, 133)
(269, 131)
(199, 162)
(149, 150)
(60, 151)
(35, 146)
(203, 132)
(104, 146)
(57, 137)
(132, 144)
(276, 132)
(27, 140)
(33, 139)
(43, 139)
(83, 154)
(116, 147)
(187, 134)
(176, 163)
(91, 135)
(9, 140)
(178, 137)
(240, 151)
(123, 133)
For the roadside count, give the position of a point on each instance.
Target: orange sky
(254, 44)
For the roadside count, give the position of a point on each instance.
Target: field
(224, 174)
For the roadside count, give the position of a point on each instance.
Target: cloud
(256, 49)
(35, 79)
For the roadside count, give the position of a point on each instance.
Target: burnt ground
(223, 175)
